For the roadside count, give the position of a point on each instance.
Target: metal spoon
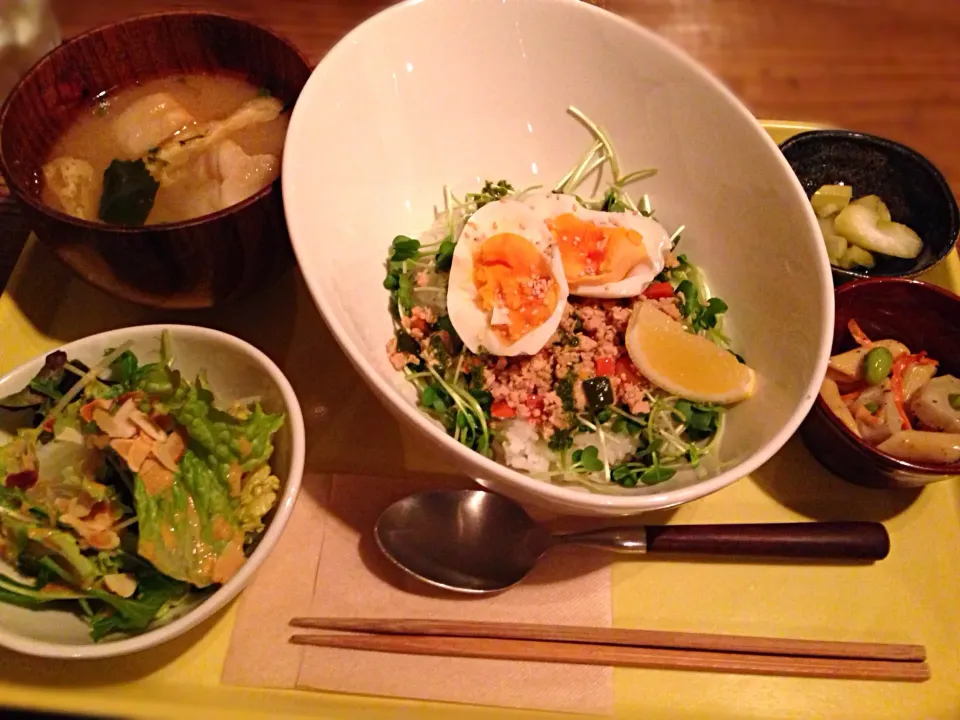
(475, 541)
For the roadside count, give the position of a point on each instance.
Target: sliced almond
(103, 540)
(97, 442)
(148, 428)
(170, 451)
(73, 522)
(139, 451)
(100, 520)
(126, 411)
(123, 447)
(122, 584)
(114, 425)
(80, 506)
(156, 478)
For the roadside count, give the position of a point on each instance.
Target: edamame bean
(877, 364)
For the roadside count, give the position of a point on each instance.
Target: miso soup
(167, 150)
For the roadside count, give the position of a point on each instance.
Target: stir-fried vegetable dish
(894, 400)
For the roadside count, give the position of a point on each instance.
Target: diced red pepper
(534, 402)
(658, 291)
(500, 409)
(605, 366)
(625, 368)
(47, 425)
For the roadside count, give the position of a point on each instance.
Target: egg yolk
(595, 255)
(515, 284)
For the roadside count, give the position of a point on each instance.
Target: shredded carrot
(859, 335)
(896, 381)
(850, 396)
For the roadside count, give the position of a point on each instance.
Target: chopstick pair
(623, 648)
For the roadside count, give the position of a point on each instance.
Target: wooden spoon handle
(815, 540)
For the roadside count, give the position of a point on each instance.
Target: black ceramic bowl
(915, 191)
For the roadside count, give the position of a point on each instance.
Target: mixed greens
(125, 489)
(453, 384)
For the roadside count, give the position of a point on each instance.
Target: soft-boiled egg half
(507, 290)
(605, 254)
(517, 260)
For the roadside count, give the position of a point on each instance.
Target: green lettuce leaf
(37, 542)
(186, 528)
(192, 530)
(247, 441)
(258, 496)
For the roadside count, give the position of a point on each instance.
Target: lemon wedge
(684, 364)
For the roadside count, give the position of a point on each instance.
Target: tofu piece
(73, 182)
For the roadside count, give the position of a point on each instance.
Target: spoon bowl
(463, 540)
(475, 541)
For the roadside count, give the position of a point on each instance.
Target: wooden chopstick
(624, 637)
(622, 656)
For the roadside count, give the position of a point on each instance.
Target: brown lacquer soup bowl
(923, 317)
(196, 263)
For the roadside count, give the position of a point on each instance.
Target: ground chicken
(529, 387)
(590, 329)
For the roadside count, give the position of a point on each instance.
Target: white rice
(523, 449)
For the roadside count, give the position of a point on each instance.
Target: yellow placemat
(913, 596)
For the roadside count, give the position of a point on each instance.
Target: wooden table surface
(890, 67)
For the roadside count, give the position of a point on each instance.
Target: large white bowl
(235, 370)
(453, 92)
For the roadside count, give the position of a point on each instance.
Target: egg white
(656, 240)
(471, 322)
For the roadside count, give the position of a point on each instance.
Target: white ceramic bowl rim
(569, 497)
(229, 591)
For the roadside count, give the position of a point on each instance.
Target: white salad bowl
(235, 370)
(453, 92)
